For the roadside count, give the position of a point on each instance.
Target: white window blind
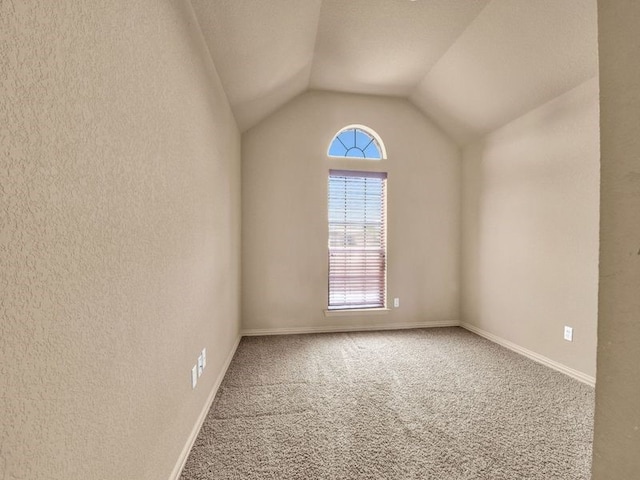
(357, 239)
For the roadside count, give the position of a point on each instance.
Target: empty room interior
(319, 239)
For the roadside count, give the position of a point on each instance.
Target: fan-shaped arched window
(357, 141)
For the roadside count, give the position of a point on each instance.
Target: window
(357, 141)
(357, 239)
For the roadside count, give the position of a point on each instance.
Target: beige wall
(530, 229)
(119, 226)
(284, 222)
(616, 446)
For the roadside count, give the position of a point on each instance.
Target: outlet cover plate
(194, 376)
(568, 333)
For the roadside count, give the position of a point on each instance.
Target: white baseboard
(345, 328)
(583, 377)
(184, 454)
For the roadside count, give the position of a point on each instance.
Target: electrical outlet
(204, 358)
(396, 302)
(200, 365)
(568, 333)
(194, 376)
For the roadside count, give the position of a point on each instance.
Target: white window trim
(355, 312)
(370, 131)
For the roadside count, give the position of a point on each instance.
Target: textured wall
(616, 445)
(530, 229)
(119, 226)
(284, 212)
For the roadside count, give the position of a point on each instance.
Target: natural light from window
(357, 240)
(357, 141)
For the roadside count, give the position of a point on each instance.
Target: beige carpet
(414, 404)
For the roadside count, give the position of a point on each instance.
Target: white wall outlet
(204, 358)
(568, 333)
(200, 365)
(194, 376)
(396, 302)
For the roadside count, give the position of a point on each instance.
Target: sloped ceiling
(262, 50)
(469, 65)
(516, 55)
(384, 47)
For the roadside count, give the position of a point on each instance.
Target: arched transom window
(357, 141)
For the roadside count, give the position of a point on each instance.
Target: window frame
(347, 307)
(367, 131)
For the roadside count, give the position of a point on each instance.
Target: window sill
(356, 311)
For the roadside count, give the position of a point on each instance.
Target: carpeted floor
(439, 403)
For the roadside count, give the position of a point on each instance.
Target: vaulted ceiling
(469, 65)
